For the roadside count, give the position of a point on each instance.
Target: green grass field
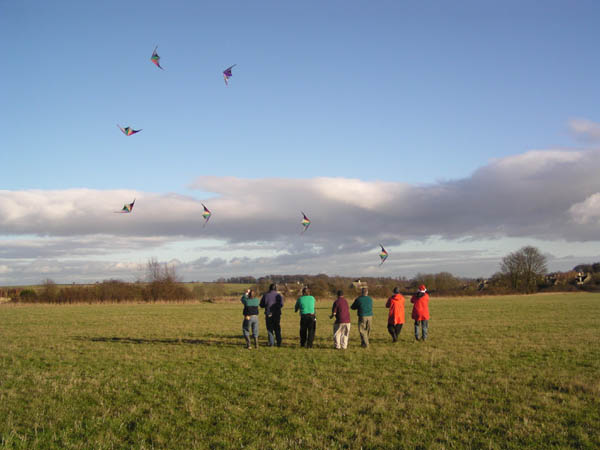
(503, 372)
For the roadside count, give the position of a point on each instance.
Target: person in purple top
(272, 302)
(341, 327)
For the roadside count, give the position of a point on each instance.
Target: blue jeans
(424, 326)
(248, 325)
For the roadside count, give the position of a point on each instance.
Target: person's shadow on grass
(219, 341)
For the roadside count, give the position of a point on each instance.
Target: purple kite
(227, 73)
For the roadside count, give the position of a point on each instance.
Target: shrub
(27, 296)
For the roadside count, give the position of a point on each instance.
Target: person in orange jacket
(420, 312)
(396, 316)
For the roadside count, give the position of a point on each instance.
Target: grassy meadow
(497, 372)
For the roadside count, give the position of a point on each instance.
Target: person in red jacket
(420, 312)
(396, 316)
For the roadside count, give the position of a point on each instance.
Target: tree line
(523, 271)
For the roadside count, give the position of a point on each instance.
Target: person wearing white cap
(420, 312)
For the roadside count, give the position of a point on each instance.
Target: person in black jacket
(272, 302)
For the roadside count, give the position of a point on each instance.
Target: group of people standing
(272, 303)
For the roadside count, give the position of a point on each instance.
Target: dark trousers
(274, 330)
(395, 331)
(308, 325)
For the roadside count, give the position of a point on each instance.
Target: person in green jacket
(364, 308)
(308, 321)
(250, 313)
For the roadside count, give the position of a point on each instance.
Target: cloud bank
(545, 194)
(541, 194)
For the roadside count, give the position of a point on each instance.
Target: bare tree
(163, 283)
(524, 268)
(49, 291)
(160, 272)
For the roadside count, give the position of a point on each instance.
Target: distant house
(552, 279)
(564, 278)
(582, 278)
(9, 293)
(482, 284)
(357, 284)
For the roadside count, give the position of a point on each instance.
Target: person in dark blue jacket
(272, 302)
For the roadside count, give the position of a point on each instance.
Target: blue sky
(421, 95)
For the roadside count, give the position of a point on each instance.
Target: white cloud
(533, 162)
(538, 194)
(587, 211)
(551, 195)
(585, 129)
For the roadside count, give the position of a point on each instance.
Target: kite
(305, 222)
(127, 131)
(155, 58)
(383, 254)
(227, 73)
(206, 214)
(127, 208)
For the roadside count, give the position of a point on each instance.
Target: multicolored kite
(155, 58)
(127, 207)
(127, 131)
(227, 73)
(383, 254)
(305, 222)
(206, 214)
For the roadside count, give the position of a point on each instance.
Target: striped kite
(127, 131)
(206, 214)
(127, 208)
(227, 73)
(155, 58)
(383, 254)
(305, 222)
